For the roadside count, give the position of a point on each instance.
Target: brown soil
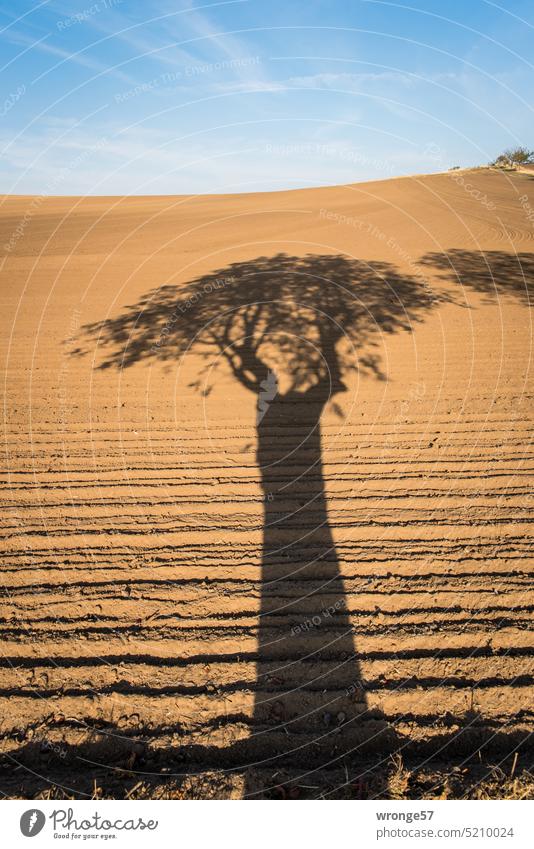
(330, 599)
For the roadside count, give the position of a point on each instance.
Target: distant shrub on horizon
(513, 157)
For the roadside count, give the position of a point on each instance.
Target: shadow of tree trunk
(309, 689)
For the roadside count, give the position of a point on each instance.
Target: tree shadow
(112, 761)
(289, 329)
(492, 273)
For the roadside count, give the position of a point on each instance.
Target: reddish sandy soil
(329, 595)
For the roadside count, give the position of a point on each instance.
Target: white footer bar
(268, 824)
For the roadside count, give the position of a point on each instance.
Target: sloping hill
(217, 586)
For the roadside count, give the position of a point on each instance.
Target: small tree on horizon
(515, 156)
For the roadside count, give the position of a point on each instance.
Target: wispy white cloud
(176, 39)
(74, 58)
(405, 79)
(217, 44)
(351, 80)
(250, 86)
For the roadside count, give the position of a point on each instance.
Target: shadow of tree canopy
(289, 329)
(492, 273)
(284, 311)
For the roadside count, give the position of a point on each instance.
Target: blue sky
(129, 97)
